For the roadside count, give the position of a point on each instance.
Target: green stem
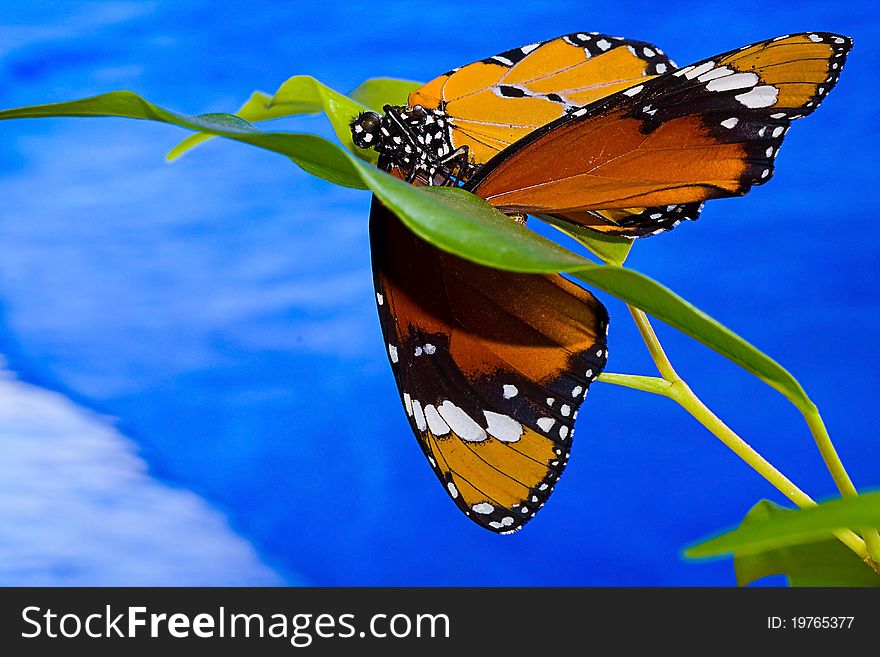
(656, 350)
(814, 421)
(681, 393)
(840, 476)
(871, 544)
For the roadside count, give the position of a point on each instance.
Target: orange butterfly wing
(497, 101)
(705, 131)
(491, 367)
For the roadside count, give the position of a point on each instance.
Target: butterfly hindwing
(491, 366)
(705, 131)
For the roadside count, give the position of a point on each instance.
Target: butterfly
(600, 131)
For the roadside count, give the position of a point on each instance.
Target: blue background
(221, 307)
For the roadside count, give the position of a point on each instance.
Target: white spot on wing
(509, 391)
(763, 96)
(464, 426)
(452, 490)
(730, 123)
(632, 91)
(483, 508)
(392, 351)
(736, 81)
(435, 423)
(503, 427)
(693, 72)
(546, 423)
(506, 521)
(719, 72)
(419, 415)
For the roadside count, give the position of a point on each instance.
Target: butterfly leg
(458, 159)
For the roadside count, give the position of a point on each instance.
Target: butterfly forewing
(496, 101)
(491, 366)
(708, 130)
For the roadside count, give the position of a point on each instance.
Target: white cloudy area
(77, 507)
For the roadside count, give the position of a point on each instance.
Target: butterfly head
(365, 129)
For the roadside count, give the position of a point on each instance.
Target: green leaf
(495, 241)
(823, 563)
(255, 109)
(375, 93)
(794, 527)
(456, 221)
(609, 248)
(451, 219)
(340, 109)
(314, 154)
(661, 302)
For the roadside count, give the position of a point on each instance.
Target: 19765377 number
(810, 622)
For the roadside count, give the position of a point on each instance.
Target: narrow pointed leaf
(661, 302)
(314, 154)
(823, 563)
(794, 527)
(255, 109)
(495, 240)
(453, 220)
(340, 109)
(375, 93)
(610, 248)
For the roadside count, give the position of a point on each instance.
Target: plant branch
(681, 393)
(840, 476)
(814, 421)
(656, 350)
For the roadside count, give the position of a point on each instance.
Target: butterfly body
(415, 141)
